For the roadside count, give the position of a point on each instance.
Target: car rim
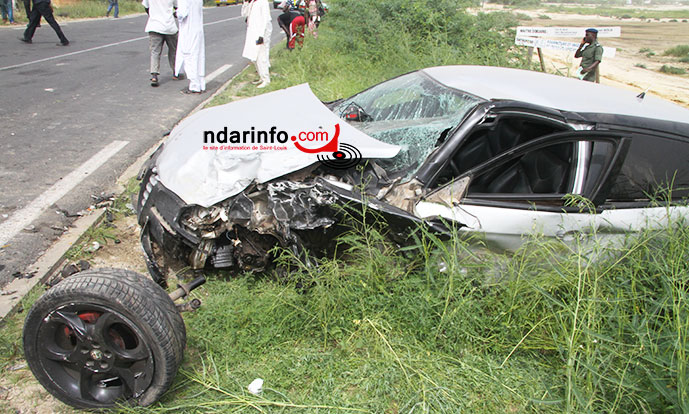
(94, 354)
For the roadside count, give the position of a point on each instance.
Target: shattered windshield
(411, 111)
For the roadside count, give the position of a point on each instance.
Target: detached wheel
(102, 337)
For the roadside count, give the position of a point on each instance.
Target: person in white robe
(259, 27)
(191, 49)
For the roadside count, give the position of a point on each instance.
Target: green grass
(358, 47)
(438, 326)
(672, 70)
(545, 329)
(96, 8)
(677, 51)
(441, 327)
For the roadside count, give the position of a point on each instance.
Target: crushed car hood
(201, 175)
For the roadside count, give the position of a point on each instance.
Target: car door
(651, 187)
(523, 190)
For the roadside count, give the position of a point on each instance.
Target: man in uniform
(591, 53)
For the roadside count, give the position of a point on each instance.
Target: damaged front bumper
(299, 212)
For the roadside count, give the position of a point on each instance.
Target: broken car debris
(494, 151)
(477, 150)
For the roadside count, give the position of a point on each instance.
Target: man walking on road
(591, 53)
(191, 49)
(161, 29)
(42, 8)
(111, 4)
(27, 7)
(259, 27)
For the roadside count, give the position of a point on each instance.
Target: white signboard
(608, 52)
(566, 31)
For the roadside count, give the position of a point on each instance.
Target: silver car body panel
(506, 228)
(558, 92)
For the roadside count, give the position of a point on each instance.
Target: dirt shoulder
(630, 68)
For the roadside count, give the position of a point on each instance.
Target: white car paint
(205, 177)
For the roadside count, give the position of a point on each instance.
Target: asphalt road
(72, 119)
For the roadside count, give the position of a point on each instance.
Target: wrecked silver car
(493, 150)
(476, 150)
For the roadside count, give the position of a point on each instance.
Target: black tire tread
(153, 292)
(138, 296)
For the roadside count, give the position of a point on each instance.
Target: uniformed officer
(591, 53)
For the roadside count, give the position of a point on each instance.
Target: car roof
(557, 92)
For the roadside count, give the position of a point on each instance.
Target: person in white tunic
(258, 30)
(191, 49)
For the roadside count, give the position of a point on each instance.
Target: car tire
(103, 337)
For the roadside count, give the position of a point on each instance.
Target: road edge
(50, 262)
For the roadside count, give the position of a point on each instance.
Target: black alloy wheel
(104, 337)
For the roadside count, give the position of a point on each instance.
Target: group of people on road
(179, 25)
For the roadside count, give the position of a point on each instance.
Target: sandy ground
(21, 394)
(623, 70)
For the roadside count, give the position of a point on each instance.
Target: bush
(544, 17)
(672, 70)
(361, 44)
(677, 51)
(397, 36)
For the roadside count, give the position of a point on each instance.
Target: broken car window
(541, 171)
(411, 111)
(653, 165)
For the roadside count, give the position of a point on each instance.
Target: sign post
(534, 37)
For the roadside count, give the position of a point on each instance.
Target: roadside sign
(549, 44)
(615, 31)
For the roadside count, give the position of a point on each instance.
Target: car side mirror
(452, 194)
